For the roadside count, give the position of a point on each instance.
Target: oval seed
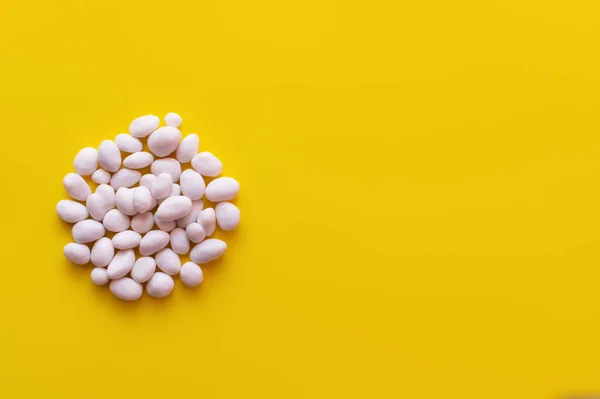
(126, 239)
(101, 176)
(86, 161)
(97, 206)
(142, 222)
(99, 276)
(191, 274)
(102, 252)
(76, 187)
(168, 261)
(77, 253)
(208, 250)
(192, 184)
(125, 178)
(71, 211)
(179, 241)
(128, 143)
(143, 269)
(116, 221)
(207, 164)
(153, 241)
(195, 232)
(222, 189)
(109, 156)
(121, 264)
(138, 160)
(126, 288)
(188, 148)
(87, 231)
(174, 208)
(164, 140)
(144, 125)
(160, 285)
(173, 119)
(228, 215)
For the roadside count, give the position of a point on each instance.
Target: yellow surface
(420, 198)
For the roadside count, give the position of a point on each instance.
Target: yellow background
(420, 198)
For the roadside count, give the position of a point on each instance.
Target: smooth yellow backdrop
(420, 198)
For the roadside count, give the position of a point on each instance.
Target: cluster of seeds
(130, 204)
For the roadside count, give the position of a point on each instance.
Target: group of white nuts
(180, 216)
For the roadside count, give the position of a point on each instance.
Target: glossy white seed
(97, 206)
(228, 215)
(87, 231)
(142, 199)
(147, 180)
(208, 220)
(126, 289)
(125, 178)
(207, 164)
(161, 187)
(222, 189)
(102, 252)
(208, 250)
(99, 276)
(174, 208)
(153, 241)
(101, 176)
(108, 193)
(128, 143)
(166, 165)
(71, 211)
(143, 269)
(192, 184)
(109, 156)
(76, 187)
(164, 140)
(191, 274)
(144, 125)
(142, 222)
(124, 201)
(195, 232)
(160, 285)
(121, 264)
(165, 226)
(173, 119)
(192, 216)
(126, 239)
(86, 161)
(138, 160)
(77, 253)
(179, 241)
(188, 148)
(116, 221)
(168, 261)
